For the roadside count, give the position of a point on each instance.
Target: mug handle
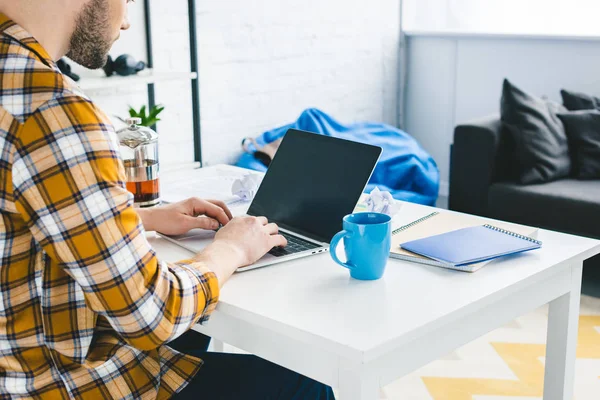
(333, 247)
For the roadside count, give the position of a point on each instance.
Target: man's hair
(91, 40)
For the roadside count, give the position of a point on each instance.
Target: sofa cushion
(578, 101)
(541, 145)
(569, 205)
(583, 130)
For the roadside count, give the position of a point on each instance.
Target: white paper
(212, 183)
(246, 187)
(382, 202)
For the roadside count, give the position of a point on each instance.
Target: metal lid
(133, 121)
(134, 135)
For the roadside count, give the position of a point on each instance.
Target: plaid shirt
(85, 306)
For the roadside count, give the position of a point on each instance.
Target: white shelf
(98, 81)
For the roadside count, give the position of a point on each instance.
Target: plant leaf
(152, 121)
(149, 116)
(155, 111)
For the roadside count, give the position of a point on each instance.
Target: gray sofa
(482, 182)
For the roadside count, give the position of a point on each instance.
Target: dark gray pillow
(541, 144)
(579, 101)
(583, 129)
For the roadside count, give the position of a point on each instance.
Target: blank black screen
(313, 182)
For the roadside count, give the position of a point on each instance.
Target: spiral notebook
(460, 242)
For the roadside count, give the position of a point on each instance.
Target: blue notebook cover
(471, 245)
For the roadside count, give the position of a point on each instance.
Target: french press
(139, 151)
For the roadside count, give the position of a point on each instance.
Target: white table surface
(312, 307)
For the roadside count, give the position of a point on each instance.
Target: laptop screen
(313, 182)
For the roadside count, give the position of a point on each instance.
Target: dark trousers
(243, 377)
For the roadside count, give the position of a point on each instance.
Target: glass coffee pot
(139, 151)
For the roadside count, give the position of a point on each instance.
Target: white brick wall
(261, 63)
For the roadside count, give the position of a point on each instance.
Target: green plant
(147, 120)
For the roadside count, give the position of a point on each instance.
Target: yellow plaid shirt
(86, 309)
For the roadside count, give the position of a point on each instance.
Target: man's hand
(252, 237)
(242, 242)
(179, 218)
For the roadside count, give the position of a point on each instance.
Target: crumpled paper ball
(246, 187)
(382, 202)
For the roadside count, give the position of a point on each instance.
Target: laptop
(311, 184)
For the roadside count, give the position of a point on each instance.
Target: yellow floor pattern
(507, 364)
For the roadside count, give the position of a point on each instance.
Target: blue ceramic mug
(367, 240)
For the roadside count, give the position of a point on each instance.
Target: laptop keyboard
(295, 245)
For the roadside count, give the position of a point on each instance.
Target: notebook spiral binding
(495, 228)
(405, 227)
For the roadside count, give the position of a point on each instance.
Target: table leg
(563, 324)
(357, 384)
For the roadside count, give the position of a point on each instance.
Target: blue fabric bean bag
(405, 169)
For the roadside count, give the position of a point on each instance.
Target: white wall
(265, 61)
(547, 17)
(454, 79)
(261, 63)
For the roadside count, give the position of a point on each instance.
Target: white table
(309, 316)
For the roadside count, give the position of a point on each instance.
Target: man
(86, 308)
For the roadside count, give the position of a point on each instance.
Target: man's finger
(278, 241)
(203, 223)
(222, 205)
(262, 220)
(210, 210)
(217, 213)
(272, 229)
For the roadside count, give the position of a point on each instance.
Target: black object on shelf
(124, 65)
(65, 68)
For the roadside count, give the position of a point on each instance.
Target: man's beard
(91, 42)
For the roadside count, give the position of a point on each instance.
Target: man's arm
(68, 186)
